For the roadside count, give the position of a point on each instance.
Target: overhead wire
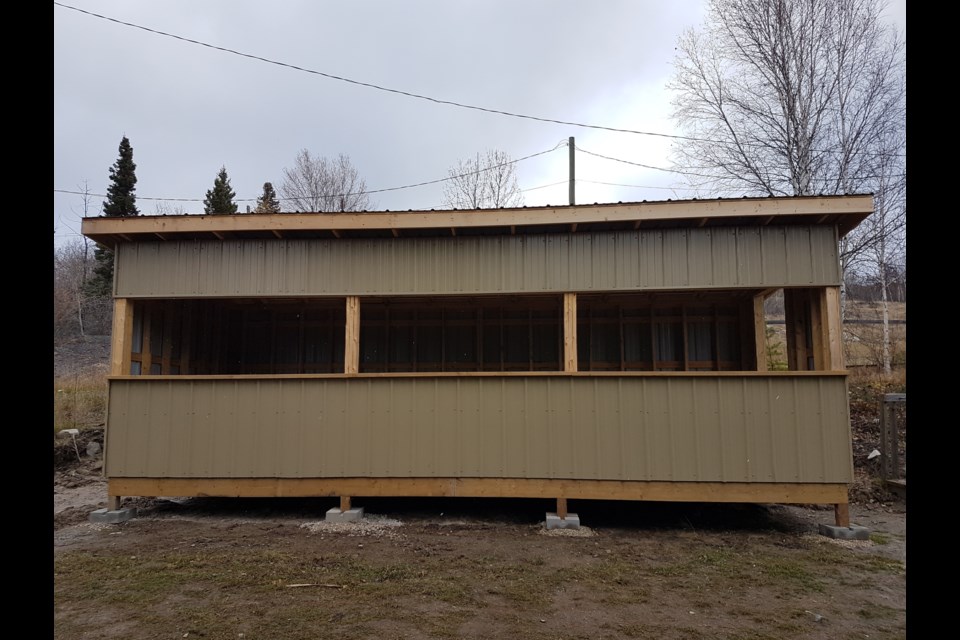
(408, 93)
(371, 85)
(686, 173)
(340, 195)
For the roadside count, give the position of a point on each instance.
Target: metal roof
(845, 212)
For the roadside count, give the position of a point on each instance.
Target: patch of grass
(879, 538)
(790, 572)
(870, 611)
(79, 401)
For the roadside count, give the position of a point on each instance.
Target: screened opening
(664, 332)
(461, 334)
(220, 337)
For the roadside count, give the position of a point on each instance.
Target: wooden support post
(113, 502)
(122, 337)
(760, 332)
(841, 513)
(344, 503)
(562, 508)
(351, 349)
(834, 328)
(818, 332)
(570, 332)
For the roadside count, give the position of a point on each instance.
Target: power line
(637, 186)
(376, 86)
(690, 173)
(341, 195)
(645, 166)
(416, 95)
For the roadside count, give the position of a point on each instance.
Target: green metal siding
(711, 428)
(720, 257)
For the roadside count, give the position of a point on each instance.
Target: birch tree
(486, 181)
(795, 98)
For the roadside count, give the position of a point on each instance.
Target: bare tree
(788, 97)
(167, 209)
(794, 97)
(485, 181)
(319, 184)
(76, 314)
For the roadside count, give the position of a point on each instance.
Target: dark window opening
(680, 332)
(461, 334)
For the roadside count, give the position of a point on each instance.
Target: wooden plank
(351, 348)
(764, 210)
(122, 337)
(765, 492)
(834, 328)
(760, 332)
(344, 503)
(569, 332)
(506, 374)
(562, 508)
(818, 331)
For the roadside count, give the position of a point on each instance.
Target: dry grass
(79, 401)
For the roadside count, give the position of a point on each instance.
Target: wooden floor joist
(760, 492)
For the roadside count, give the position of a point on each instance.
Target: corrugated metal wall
(752, 428)
(751, 257)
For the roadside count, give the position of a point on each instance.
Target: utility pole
(573, 197)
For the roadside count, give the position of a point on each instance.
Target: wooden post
(889, 451)
(351, 348)
(570, 332)
(122, 337)
(562, 508)
(818, 332)
(113, 502)
(344, 503)
(841, 513)
(834, 328)
(760, 332)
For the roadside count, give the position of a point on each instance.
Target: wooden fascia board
(849, 211)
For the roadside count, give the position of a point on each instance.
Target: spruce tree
(268, 203)
(220, 198)
(121, 201)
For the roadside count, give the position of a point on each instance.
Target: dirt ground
(458, 568)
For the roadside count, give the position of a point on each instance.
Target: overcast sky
(189, 109)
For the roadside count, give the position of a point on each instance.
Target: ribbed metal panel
(777, 428)
(656, 259)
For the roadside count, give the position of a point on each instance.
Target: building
(612, 351)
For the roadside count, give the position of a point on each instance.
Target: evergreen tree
(121, 201)
(268, 203)
(220, 198)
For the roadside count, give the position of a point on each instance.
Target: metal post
(571, 146)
